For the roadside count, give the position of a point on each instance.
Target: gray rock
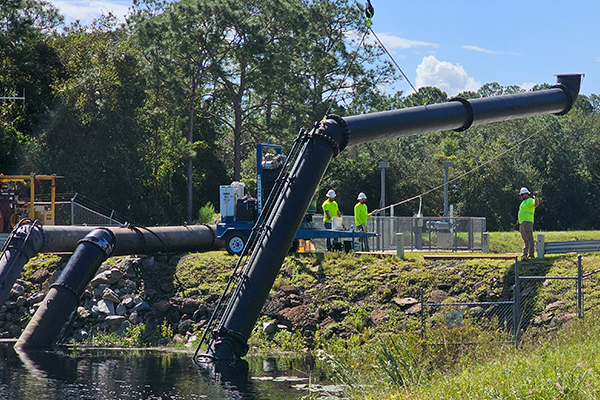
(147, 262)
(124, 326)
(405, 302)
(414, 309)
(134, 318)
(121, 309)
(17, 289)
(110, 295)
(82, 312)
(162, 306)
(21, 301)
(127, 301)
(143, 306)
(269, 328)
(106, 307)
(35, 298)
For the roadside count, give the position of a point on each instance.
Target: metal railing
(567, 246)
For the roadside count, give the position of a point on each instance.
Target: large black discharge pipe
(63, 296)
(29, 239)
(229, 342)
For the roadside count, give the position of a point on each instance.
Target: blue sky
(460, 45)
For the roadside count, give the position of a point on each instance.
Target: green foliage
(207, 214)
(399, 361)
(166, 330)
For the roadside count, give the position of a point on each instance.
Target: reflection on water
(126, 374)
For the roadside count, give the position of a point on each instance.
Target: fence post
(517, 305)
(485, 245)
(422, 316)
(400, 245)
(579, 291)
(541, 245)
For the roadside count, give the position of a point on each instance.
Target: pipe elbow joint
(334, 130)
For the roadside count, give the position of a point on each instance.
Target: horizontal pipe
(134, 240)
(460, 114)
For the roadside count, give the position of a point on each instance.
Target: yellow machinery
(12, 210)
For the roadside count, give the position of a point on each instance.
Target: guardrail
(568, 246)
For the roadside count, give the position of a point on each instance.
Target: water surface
(125, 374)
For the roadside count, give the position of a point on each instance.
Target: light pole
(446, 165)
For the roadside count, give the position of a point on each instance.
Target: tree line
(150, 115)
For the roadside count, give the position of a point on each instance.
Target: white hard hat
(361, 195)
(331, 193)
(524, 190)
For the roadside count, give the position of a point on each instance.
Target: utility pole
(446, 165)
(383, 166)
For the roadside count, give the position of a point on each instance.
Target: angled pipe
(229, 341)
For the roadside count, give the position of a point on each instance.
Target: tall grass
(564, 365)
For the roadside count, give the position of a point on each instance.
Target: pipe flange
(106, 245)
(317, 133)
(470, 113)
(567, 93)
(342, 123)
(214, 235)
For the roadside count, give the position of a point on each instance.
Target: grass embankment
(374, 345)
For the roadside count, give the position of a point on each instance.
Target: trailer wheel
(234, 242)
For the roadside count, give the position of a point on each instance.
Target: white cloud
(451, 78)
(598, 59)
(487, 51)
(86, 10)
(481, 49)
(528, 85)
(396, 42)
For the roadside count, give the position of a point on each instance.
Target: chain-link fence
(80, 210)
(533, 301)
(426, 233)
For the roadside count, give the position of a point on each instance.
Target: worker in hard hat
(526, 210)
(361, 214)
(330, 210)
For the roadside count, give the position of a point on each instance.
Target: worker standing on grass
(330, 210)
(526, 211)
(360, 218)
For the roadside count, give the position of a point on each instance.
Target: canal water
(101, 374)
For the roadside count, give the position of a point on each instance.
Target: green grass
(565, 366)
(511, 242)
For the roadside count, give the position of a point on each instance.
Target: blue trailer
(239, 211)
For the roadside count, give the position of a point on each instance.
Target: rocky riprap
(136, 292)
(115, 299)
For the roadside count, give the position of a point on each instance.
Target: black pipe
(24, 242)
(457, 114)
(133, 239)
(229, 342)
(28, 239)
(63, 296)
(281, 226)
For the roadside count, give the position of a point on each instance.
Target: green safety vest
(332, 207)
(526, 210)
(360, 214)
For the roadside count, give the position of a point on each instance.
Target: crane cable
(369, 12)
(419, 196)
